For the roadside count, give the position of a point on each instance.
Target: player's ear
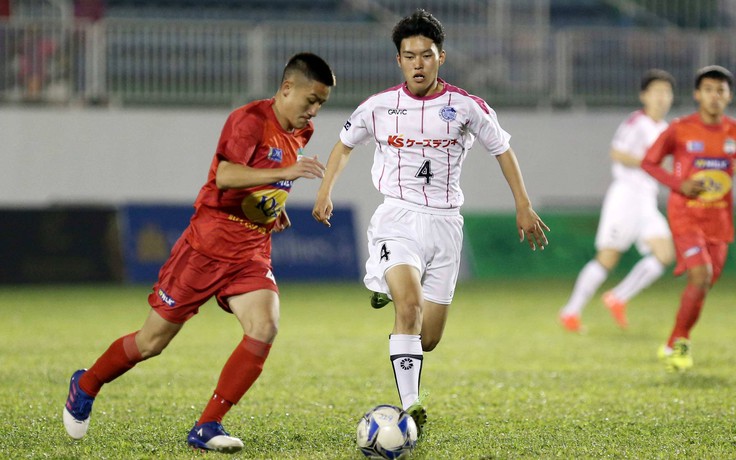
(286, 86)
(442, 57)
(398, 59)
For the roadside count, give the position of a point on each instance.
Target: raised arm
(339, 157)
(527, 221)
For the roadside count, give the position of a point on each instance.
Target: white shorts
(629, 217)
(404, 233)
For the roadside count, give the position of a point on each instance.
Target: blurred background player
(629, 214)
(700, 206)
(226, 251)
(423, 129)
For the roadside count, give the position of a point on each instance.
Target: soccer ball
(386, 432)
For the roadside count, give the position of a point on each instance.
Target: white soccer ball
(386, 432)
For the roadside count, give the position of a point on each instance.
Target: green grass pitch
(506, 381)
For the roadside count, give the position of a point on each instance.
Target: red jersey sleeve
(240, 138)
(652, 161)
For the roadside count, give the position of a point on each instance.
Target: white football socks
(589, 280)
(641, 276)
(406, 356)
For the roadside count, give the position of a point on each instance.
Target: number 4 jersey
(421, 142)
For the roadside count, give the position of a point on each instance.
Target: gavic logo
(397, 111)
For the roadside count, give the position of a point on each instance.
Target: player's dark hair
(421, 22)
(653, 75)
(715, 72)
(311, 66)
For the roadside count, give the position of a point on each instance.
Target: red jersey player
(700, 207)
(225, 252)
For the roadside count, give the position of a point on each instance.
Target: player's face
(657, 99)
(713, 96)
(420, 61)
(301, 99)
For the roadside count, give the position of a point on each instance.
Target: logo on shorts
(166, 298)
(270, 276)
(406, 364)
(448, 113)
(692, 251)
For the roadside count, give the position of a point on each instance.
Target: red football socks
(240, 371)
(122, 355)
(691, 304)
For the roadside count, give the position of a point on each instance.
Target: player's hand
(691, 188)
(307, 167)
(530, 225)
(322, 210)
(282, 222)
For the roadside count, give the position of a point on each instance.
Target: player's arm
(527, 221)
(339, 157)
(233, 175)
(652, 164)
(625, 159)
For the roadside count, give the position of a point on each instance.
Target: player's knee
(701, 279)
(264, 331)
(430, 343)
(409, 317)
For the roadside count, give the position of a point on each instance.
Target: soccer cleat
(571, 322)
(677, 359)
(617, 307)
(419, 413)
(77, 408)
(379, 300)
(212, 436)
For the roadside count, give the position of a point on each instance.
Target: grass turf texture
(506, 382)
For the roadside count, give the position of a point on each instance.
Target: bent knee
(264, 331)
(429, 344)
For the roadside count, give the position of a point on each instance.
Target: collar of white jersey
(426, 98)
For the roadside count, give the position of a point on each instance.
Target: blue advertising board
(306, 251)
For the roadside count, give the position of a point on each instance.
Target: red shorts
(189, 278)
(694, 250)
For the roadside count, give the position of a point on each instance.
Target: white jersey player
(422, 129)
(629, 215)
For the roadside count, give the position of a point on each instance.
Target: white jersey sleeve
(488, 131)
(358, 129)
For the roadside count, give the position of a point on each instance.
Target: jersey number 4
(425, 171)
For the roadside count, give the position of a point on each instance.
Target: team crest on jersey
(695, 146)
(275, 154)
(729, 146)
(448, 113)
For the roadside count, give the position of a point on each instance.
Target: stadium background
(110, 111)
